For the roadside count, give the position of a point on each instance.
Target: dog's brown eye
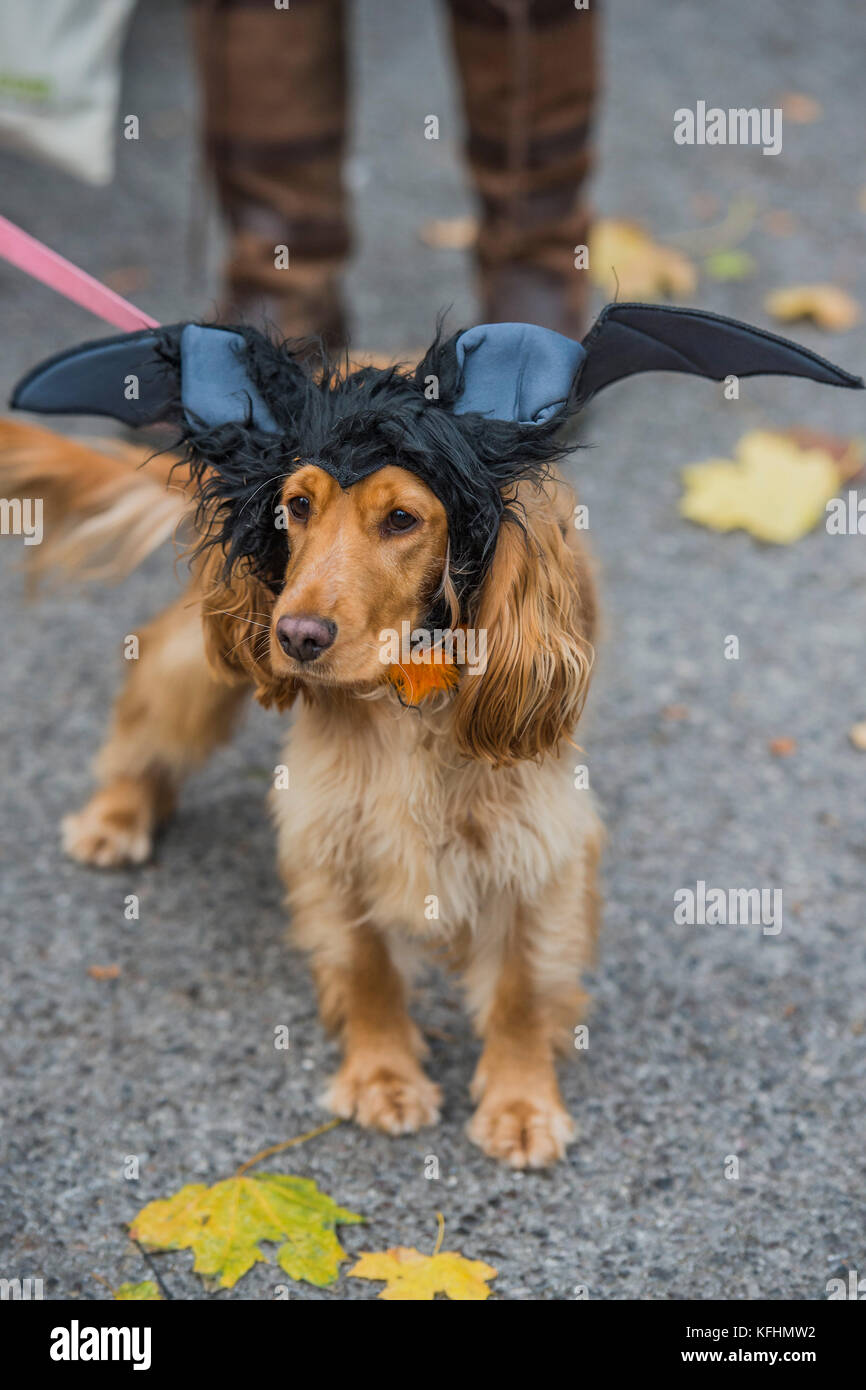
(299, 508)
(398, 520)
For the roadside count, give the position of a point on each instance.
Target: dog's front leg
(528, 999)
(362, 997)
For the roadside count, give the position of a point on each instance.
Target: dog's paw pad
(522, 1133)
(397, 1102)
(106, 837)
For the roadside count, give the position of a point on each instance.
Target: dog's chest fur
(418, 838)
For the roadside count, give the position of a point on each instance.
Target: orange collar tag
(414, 682)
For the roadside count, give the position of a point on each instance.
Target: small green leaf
(145, 1292)
(730, 265)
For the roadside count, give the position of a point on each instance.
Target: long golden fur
(454, 827)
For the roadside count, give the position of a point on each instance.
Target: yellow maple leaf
(826, 305)
(857, 735)
(773, 488)
(623, 257)
(847, 453)
(410, 1275)
(145, 1292)
(224, 1224)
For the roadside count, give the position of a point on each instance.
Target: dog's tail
(93, 509)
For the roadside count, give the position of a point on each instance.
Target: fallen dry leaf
(625, 261)
(450, 233)
(826, 305)
(103, 972)
(223, 1225)
(128, 279)
(772, 488)
(783, 747)
(410, 1275)
(723, 236)
(857, 735)
(848, 454)
(145, 1292)
(675, 712)
(704, 205)
(779, 222)
(439, 1034)
(730, 265)
(800, 108)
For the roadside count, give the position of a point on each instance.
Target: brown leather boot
(528, 72)
(275, 97)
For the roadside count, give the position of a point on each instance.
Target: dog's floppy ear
(515, 371)
(235, 616)
(141, 378)
(537, 610)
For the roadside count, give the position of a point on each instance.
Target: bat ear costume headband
(482, 411)
(513, 372)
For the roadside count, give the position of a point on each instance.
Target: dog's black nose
(305, 638)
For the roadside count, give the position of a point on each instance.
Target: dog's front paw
(397, 1098)
(109, 831)
(524, 1133)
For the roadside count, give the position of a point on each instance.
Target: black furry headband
(482, 411)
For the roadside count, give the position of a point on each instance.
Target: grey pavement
(705, 1041)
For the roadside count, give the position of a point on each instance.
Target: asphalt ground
(706, 1042)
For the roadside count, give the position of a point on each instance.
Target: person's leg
(274, 90)
(528, 71)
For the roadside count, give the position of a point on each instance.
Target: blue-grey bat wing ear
(141, 378)
(515, 371)
(215, 385)
(123, 377)
(630, 338)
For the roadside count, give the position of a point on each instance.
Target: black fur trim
(351, 424)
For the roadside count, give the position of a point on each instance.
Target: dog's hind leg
(170, 715)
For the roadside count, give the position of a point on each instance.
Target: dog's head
(337, 508)
(355, 563)
(389, 514)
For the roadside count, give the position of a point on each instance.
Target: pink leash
(39, 261)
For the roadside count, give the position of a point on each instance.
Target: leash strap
(41, 263)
